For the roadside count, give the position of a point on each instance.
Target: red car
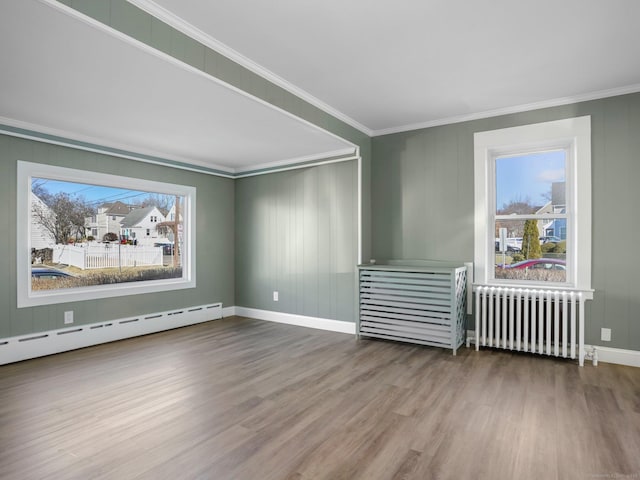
(540, 264)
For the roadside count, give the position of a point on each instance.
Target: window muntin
(183, 262)
(573, 221)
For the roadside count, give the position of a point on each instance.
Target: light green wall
(422, 199)
(296, 233)
(214, 239)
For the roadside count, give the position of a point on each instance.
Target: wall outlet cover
(605, 334)
(68, 317)
(275, 296)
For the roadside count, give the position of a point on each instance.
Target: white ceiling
(396, 65)
(381, 66)
(63, 76)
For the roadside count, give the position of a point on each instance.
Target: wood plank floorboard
(243, 399)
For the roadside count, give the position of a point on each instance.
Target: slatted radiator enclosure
(423, 303)
(543, 321)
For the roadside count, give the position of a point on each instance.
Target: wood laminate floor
(244, 399)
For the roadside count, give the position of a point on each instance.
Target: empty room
(330, 240)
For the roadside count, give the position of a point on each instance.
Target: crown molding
(30, 131)
(612, 92)
(297, 166)
(18, 128)
(294, 162)
(195, 33)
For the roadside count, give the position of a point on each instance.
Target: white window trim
(28, 298)
(572, 135)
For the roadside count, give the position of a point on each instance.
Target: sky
(528, 177)
(94, 194)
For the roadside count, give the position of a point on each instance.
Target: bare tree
(64, 217)
(518, 206)
(38, 189)
(160, 200)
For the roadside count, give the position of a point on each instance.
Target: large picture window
(533, 205)
(88, 235)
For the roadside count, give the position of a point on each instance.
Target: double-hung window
(533, 205)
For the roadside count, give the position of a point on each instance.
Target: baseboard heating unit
(546, 322)
(23, 347)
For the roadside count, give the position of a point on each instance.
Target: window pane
(89, 234)
(533, 183)
(529, 254)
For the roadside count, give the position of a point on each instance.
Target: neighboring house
(558, 227)
(543, 225)
(40, 236)
(171, 215)
(171, 218)
(141, 225)
(107, 219)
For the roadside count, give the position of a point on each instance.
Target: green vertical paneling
(187, 50)
(214, 240)
(130, 20)
(311, 242)
(422, 201)
(615, 189)
(633, 325)
(296, 234)
(7, 236)
(228, 71)
(97, 9)
(346, 238)
(161, 36)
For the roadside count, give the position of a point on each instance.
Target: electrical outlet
(275, 296)
(605, 334)
(68, 317)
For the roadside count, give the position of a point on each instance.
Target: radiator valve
(591, 354)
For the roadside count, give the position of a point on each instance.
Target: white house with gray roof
(141, 225)
(107, 219)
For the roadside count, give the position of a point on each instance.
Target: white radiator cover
(423, 304)
(543, 321)
(23, 347)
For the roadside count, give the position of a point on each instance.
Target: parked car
(48, 273)
(510, 248)
(167, 248)
(539, 264)
(549, 239)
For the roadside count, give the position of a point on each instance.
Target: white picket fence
(101, 255)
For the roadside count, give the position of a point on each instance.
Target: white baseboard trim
(23, 347)
(618, 356)
(228, 312)
(299, 320)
